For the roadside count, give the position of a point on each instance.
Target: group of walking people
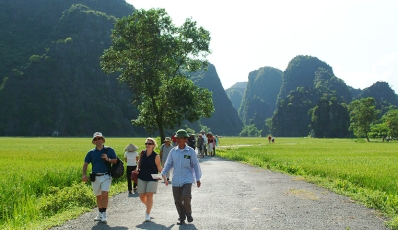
(181, 158)
(206, 144)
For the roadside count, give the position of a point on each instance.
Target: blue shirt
(186, 166)
(99, 164)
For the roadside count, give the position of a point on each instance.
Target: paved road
(238, 196)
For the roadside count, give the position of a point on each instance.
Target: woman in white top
(131, 158)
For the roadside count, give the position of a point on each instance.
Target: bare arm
(161, 154)
(84, 176)
(157, 162)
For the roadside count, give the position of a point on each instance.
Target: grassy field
(41, 179)
(367, 172)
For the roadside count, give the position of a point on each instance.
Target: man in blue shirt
(101, 180)
(186, 171)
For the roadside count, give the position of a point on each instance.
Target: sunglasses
(148, 143)
(98, 138)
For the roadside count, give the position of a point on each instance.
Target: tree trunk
(161, 133)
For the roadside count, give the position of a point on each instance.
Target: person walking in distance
(164, 153)
(174, 140)
(200, 143)
(131, 158)
(205, 141)
(186, 172)
(147, 185)
(211, 147)
(100, 177)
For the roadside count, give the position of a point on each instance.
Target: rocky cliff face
(225, 120)
(305, 82)
(64, 90)
(235, 94)
(259, 100)
(54, 84)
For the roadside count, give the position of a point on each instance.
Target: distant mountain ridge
(309, 90)
(51, 82)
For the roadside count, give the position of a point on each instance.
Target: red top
(174, 138)
(210, 138)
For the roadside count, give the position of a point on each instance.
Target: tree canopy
(391, 121)
(362, 114)
(154, 58)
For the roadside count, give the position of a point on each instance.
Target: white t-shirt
(204, 137)
(131, 158)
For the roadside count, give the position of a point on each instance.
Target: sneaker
(98, 217)
(180, 222)
(104, 220)
(189, 219)
(147, 217)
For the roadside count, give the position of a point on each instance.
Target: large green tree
(154, 58)
(362, 114)
(330, 118)
(391, 121)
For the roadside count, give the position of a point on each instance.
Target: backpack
(116, 170)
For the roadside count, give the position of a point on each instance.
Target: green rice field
(42, 187)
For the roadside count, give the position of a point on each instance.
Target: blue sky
(358, 39)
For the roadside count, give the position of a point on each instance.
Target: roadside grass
(366, 172)
(41, 179)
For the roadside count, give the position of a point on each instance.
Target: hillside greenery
(51, 82)
(259, 100)
(310, 101)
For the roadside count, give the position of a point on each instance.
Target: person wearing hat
(186, 172)
(131, 158)
(148, 166)
(200, 143)
(191, 141)
(205, 141)
(100, 177)
(164, 153)
(174, 140)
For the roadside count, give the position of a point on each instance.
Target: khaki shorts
(101, 183)
(147, 186)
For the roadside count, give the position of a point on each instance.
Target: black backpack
(116, 170)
